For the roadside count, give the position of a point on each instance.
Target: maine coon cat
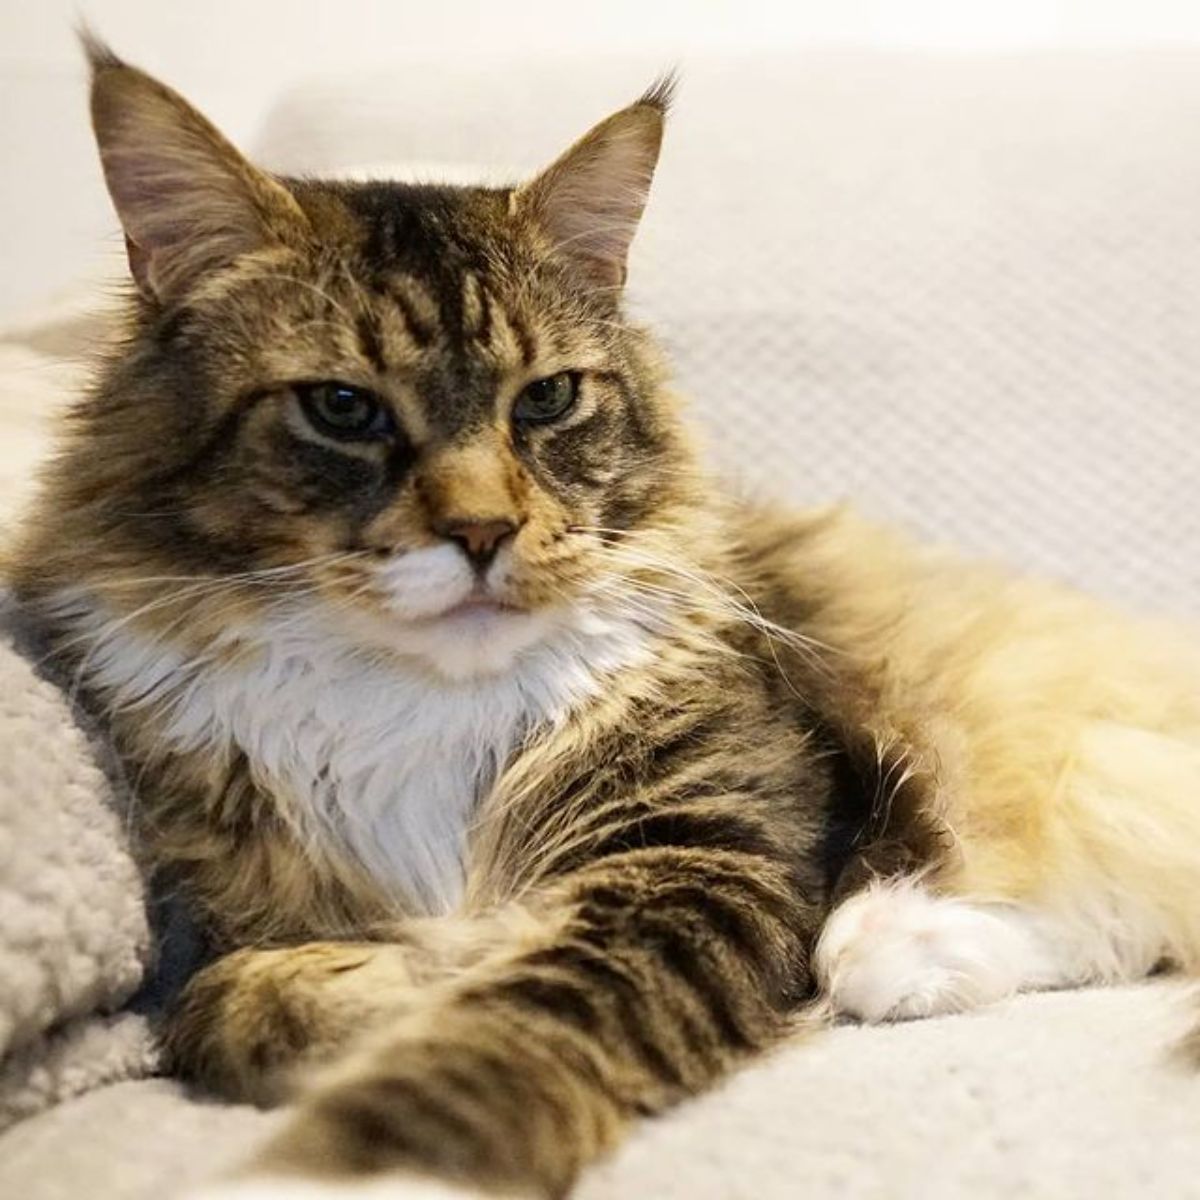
(525, 783)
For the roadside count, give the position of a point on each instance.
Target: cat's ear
(188, 201)
(590, 200)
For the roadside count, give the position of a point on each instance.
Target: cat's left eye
(340, 410)
(547, 399)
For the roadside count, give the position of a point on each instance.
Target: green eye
(547, 399)
(341, 411)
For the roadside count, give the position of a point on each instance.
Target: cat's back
(938, 626)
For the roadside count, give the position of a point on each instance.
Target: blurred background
(235, 57)
(938, 258)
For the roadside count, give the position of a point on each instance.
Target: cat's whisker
(258, 573)
(197, 588)
(692, 571)
(690, 601)
(746, 609)
(719, 604)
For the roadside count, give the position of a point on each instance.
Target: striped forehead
(454, 345)
(424, 263)
(460, 312)
(440, 295)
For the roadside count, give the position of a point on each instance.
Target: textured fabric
(144, 1140)
(962, 291)
(1054, 1097)
(77, 1058)
(74, 939)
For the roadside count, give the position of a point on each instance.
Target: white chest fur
(367, 756)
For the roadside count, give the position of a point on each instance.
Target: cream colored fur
(1066, 742)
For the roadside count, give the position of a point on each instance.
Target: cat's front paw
(896, 951)
(250, 1022)
(375, 1187)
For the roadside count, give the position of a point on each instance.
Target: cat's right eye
(340, 410)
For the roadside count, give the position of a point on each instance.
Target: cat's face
(417, 407)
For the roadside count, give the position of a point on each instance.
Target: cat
(525, 781)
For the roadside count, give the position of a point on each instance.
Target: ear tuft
(99, 54)
(590, 200)
(661, 93)
(188, 201)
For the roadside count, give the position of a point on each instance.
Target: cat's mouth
(479, 605)
(476, 633)
(478, 608)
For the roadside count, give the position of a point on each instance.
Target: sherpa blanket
(74, 936)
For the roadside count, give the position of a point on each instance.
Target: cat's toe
(896, 951)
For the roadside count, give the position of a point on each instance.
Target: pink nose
(479, 539)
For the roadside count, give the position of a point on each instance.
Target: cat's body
(516, 772)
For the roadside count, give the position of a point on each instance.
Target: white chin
(466, 644)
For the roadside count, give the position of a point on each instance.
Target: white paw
(894, 951)
(375, 1187)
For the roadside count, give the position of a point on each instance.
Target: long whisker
(267, 573)
(704, 591)
(196, 587)
(741, 604)
(711, 608)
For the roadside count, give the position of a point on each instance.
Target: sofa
(961, 291)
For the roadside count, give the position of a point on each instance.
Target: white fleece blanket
(74, 941)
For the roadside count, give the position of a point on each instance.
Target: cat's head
(420, 406)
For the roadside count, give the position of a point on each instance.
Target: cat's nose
(479, 539)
